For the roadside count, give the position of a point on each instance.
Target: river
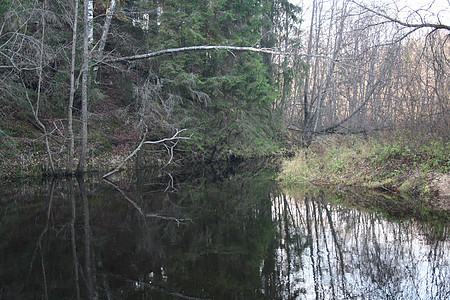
(228, 232)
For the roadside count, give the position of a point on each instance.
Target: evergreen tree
(236, 91)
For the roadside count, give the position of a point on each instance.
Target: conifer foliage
(225, 99)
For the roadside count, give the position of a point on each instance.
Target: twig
(403, 23)
(170, 183)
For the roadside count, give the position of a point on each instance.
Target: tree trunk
(84, 83)
(102, 42)
(72, 92)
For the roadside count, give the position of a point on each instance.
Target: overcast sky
(430, 10)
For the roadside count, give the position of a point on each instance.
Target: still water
(227, 233)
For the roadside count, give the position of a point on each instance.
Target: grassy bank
(404, 162)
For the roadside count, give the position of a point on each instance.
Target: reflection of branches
(153, 287)
(338, 247)
(310, 243)
(135, 205)
(327, 248)
(140, 210)
(38, 243)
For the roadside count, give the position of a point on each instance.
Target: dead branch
(170, 183)
(41, 125)
(195, 48)
(179, 221)
(435, 26)
(205, 48)
(174, 139)
(119, 167)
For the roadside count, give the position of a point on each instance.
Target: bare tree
(360, 74)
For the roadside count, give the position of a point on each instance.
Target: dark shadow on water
(214, 232)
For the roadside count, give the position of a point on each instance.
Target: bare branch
(175, 138)
(128, 157)
(179, 221)
(403, 23)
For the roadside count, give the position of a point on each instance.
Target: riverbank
(409, 164)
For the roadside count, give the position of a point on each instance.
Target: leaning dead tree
(195, 48)
(206, 48)
(173, 142)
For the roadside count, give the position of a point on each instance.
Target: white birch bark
(105, 31)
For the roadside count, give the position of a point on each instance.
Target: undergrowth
(393, 161)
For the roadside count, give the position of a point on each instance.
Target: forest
(224, 149)
(91, 85)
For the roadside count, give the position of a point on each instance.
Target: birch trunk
(305, 134)
(198, 48)
(72, 92)
(88, 27)
(105, 31)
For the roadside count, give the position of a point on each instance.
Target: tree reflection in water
(328, 251)
(207, 236)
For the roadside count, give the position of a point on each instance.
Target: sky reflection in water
(238, 236)
(332, 252)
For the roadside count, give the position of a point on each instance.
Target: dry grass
(392, 161)
(331, 160)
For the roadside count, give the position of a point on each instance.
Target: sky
(432, 11)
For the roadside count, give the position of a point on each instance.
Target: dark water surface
(201, 235)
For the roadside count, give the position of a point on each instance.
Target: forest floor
(405, 163)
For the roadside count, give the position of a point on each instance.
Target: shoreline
(362, 162)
